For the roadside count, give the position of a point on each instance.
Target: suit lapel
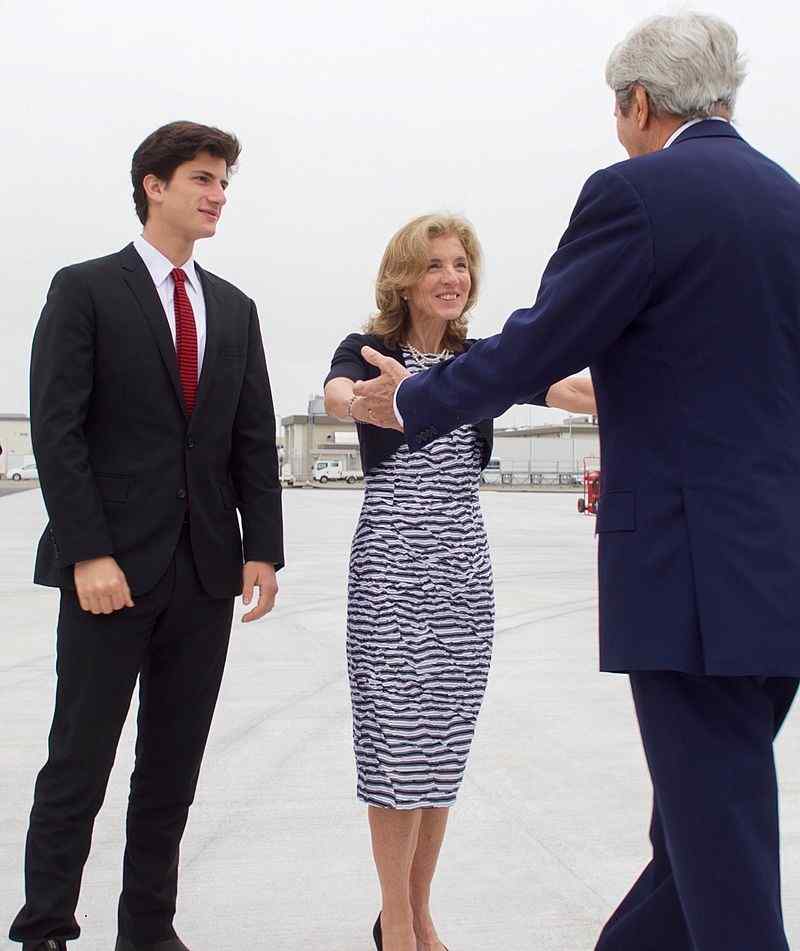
(137, 277)
(213, 318)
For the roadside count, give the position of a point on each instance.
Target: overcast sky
(354, 116)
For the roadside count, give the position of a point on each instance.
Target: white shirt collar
(160, 267)
(689, 124)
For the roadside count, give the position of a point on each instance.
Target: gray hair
(688, 65)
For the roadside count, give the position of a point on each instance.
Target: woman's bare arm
(574, 394)
(338, 396)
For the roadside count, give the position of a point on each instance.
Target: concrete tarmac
(551, 825)
(11, 487)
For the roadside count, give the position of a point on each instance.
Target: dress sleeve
(539, 399)
(347, 361)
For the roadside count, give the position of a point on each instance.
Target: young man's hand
(262, 575)
(101, 586)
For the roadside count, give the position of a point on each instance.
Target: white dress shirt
(397, 415)
(687, 125)
(160, 269)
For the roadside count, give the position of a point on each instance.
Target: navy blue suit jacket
(678, 282)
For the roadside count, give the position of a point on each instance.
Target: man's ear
(154, 188)
(642, 107)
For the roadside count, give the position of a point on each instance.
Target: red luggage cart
(587, 505)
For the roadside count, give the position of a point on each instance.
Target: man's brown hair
(172, 145)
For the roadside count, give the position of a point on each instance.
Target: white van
(333, 470)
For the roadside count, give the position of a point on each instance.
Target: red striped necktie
(185, 340)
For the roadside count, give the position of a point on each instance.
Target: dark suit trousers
(714, 881)
(175, 640)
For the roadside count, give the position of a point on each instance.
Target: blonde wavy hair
(405, 261)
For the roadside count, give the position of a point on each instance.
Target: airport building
(316, 436)
(548, 451)
(15, 441)
(528, 453)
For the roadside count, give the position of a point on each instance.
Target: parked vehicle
(23, 472)
(491, 474)
(333, 470)
(570, 478)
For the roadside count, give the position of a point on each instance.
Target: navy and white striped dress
(420, 620)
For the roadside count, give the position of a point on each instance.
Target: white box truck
(333, 470)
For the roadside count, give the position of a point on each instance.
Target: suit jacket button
(181, 493)
(190, 443)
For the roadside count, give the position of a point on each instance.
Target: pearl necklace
(442, 355)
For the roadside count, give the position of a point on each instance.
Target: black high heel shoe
(377, 933)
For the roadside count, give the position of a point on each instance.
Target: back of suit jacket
(120, 463)
(678, 281)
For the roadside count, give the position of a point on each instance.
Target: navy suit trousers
(714, 880)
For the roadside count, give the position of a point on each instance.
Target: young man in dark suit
(152, 423)
(678, 282)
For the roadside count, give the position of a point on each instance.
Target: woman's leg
(429, 842)
(394, 842)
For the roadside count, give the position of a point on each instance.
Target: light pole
(572, 442)
(310, 470)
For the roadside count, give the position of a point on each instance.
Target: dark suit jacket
(376, 444)
(678, 281)
(118, 460)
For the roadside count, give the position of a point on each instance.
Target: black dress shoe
(171, 944)
(49, 944)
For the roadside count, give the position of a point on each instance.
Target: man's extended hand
(259, 574)
(101, 586)
(374, 401)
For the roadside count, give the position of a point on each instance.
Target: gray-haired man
(678, 282)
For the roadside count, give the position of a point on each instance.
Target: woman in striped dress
(420, 616)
